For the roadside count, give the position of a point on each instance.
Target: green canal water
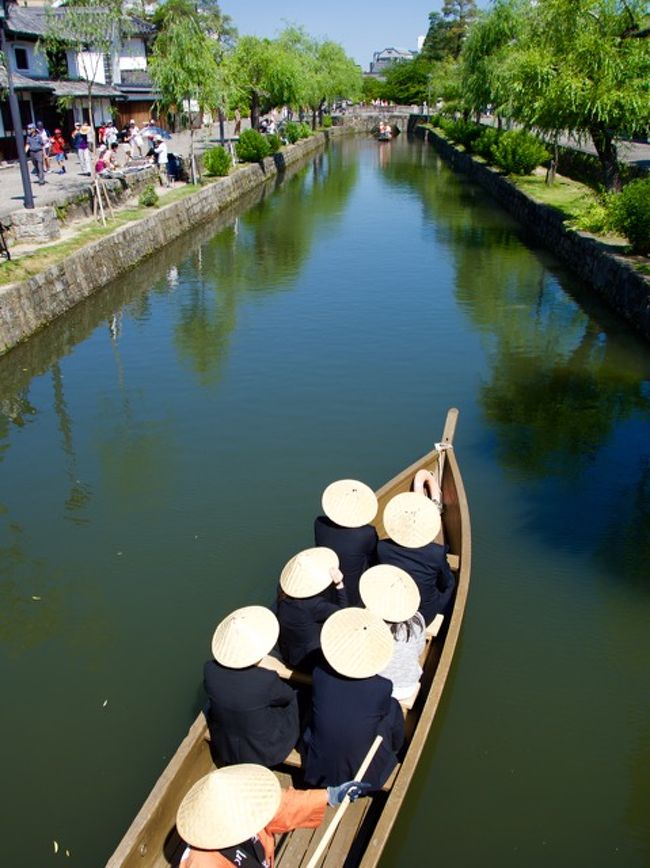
(162, 452)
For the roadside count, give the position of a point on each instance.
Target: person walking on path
(34, 147)
(58, 151)
(45, 138)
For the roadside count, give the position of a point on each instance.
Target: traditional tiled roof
(80, 88)
(21, 82)
(26, 20)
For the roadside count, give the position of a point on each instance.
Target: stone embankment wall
(26, 307)
(613, 276)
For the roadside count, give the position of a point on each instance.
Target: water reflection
(563, 373)
(262, 252)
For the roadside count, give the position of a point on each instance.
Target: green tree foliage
(483, 55)
(265, 74)
(407, 83)
(185, 67)
(448, 29)
(519, 153)
(372, 88)
(582, 66)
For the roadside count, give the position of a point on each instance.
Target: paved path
(74, 183)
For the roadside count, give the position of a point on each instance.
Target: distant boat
(384, 132)
(359, 840)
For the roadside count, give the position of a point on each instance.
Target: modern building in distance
(381, 60)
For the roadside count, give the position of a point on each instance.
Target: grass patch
(569, 197)
(24, 267)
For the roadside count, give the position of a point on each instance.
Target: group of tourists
(351, 617)
(115, 149)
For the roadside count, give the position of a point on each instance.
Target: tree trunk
(313, 119)
(222, 126)
(606, 150)
(255, 110)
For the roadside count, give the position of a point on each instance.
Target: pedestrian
(34, 147)
(45, 138)
(80, 144)
(160, 150)
(231, 815)
(58, 151)
(136, 140)
(349, 507)
(252, 713)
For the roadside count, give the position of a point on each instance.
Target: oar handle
(342, 808)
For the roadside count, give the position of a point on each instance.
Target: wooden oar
(342, 808)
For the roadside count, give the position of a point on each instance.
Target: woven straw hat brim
(412, 520)
(356, 643)
(308, 572)
(389, 592)
(349, 503)
(228, 806)
(245, 636)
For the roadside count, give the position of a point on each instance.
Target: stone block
(35, 224)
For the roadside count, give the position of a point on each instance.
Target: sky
(361, 26)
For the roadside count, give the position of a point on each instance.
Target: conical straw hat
(245, 636)
(349, 503)
(411, 519)
(308, 572)
(228, 806)
(389, 592)
(356, 643)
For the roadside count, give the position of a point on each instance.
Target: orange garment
(299, 809)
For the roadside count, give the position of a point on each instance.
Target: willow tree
(327, 74)
(184, 67)
(265, 74)
(583, 66)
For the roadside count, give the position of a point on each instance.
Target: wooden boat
(359, 839)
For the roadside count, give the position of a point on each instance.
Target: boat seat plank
(293, 848)
(454, 562)
(342, 841)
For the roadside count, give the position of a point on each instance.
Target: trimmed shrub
(149, 198)
(217, 161)
(631, 214)
(275, 142)
(327, 122)
(519, 153)
(486, 142)
(252, 147)
(464, 133)
(292, 132)
(597, 217)
(305, 130)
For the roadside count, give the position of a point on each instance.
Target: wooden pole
(342, 808)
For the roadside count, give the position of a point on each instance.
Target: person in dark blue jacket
(311, 589)
(252, 713)
(352, 703)
(349, 507)
(412, 522)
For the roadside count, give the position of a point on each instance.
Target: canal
(162, 452)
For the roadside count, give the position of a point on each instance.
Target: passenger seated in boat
(393, 595)
(351, 702)
(252, 713)
(349, 507)
(311, 589)
(412, 522)
(231, 815)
